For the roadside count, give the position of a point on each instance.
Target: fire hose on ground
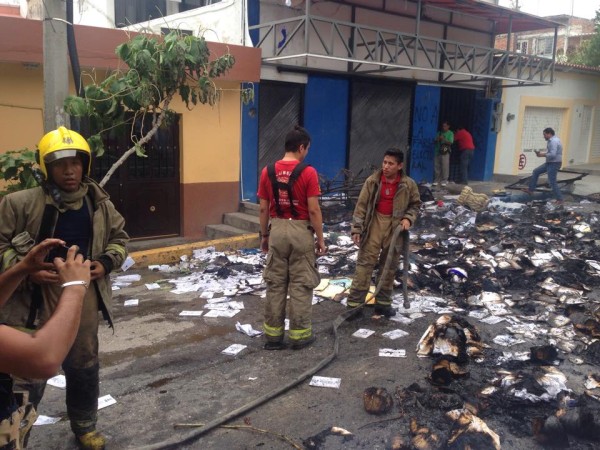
(191, 437)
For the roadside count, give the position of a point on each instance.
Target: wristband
(85, 284)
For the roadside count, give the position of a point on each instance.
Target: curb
(170, 255)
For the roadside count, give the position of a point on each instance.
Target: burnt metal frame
(370, 50)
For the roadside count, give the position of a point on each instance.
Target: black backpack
(277, 185)
(425, 193)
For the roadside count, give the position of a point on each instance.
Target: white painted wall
(96, 13)
(224, 22)
(571, 106)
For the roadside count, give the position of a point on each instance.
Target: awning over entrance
(506, 20)
(432, 41)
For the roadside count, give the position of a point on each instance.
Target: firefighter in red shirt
(290, 217)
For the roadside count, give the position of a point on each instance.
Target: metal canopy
(324, 43)
(506, 20)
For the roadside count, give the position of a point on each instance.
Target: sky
(581, 8)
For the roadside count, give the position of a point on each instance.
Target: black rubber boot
(385, 310)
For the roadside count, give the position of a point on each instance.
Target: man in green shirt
(443, 144)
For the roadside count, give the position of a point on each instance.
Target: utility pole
(56, 69)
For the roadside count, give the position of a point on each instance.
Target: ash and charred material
(377, 400)
(545, 354)
(451, 336)
(445, 371)
(554, 431)
(470, 432)
(422, 437)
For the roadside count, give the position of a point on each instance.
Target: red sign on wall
(522, 161)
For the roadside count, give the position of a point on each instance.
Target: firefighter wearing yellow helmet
(72, 207)
(63, 143)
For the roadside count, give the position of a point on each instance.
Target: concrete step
(248, 222)
(220, 231)
(250, 208)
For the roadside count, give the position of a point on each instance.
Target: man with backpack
(290, 217)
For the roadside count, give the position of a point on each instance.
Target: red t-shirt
(307, 185)
(385, 205)
(464, 140)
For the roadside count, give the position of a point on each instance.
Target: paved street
(163, 369)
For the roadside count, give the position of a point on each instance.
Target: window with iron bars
(522, 47)
(545, 46)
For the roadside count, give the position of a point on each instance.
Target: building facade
(191, 176)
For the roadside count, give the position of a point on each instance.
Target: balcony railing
(314, 42)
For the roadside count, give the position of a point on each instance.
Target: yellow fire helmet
(63, 143)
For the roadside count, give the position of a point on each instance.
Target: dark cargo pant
(81, 370)
(373, 249)
(290, 270)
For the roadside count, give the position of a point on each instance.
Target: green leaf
(139, 151)
(96, 145)
(76, 106)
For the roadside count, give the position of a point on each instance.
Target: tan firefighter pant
(290, 270)
(373, 249)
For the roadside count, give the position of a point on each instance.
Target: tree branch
(145, 138)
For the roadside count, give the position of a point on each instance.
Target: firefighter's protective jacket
(407, 203)
(22, 212)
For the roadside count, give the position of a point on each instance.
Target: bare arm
(39, 355)
(264, 225)
(316, 221)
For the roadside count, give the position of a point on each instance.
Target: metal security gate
(280, 110)
(146, 191)
(380, 118)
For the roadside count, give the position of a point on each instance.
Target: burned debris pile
(509, 303)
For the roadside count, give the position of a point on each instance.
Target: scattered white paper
(128, 278)
(395, 334)
(247, 329)
(234, 349)
(191, 313)
(58, 381)
(392, 353)
(401, 319)
(45, 420)
(507, 340)
(492, 320)
(115, 288)
(217, 300)
(152, 286)
(207, 295)
(230, 292)
(132, 302)
(105, 401)
(363, 333)
(325, 382)
(129, 261)
(202, 253)
(254, 281)
(183, 288)
(224, 306)
(221, 313)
